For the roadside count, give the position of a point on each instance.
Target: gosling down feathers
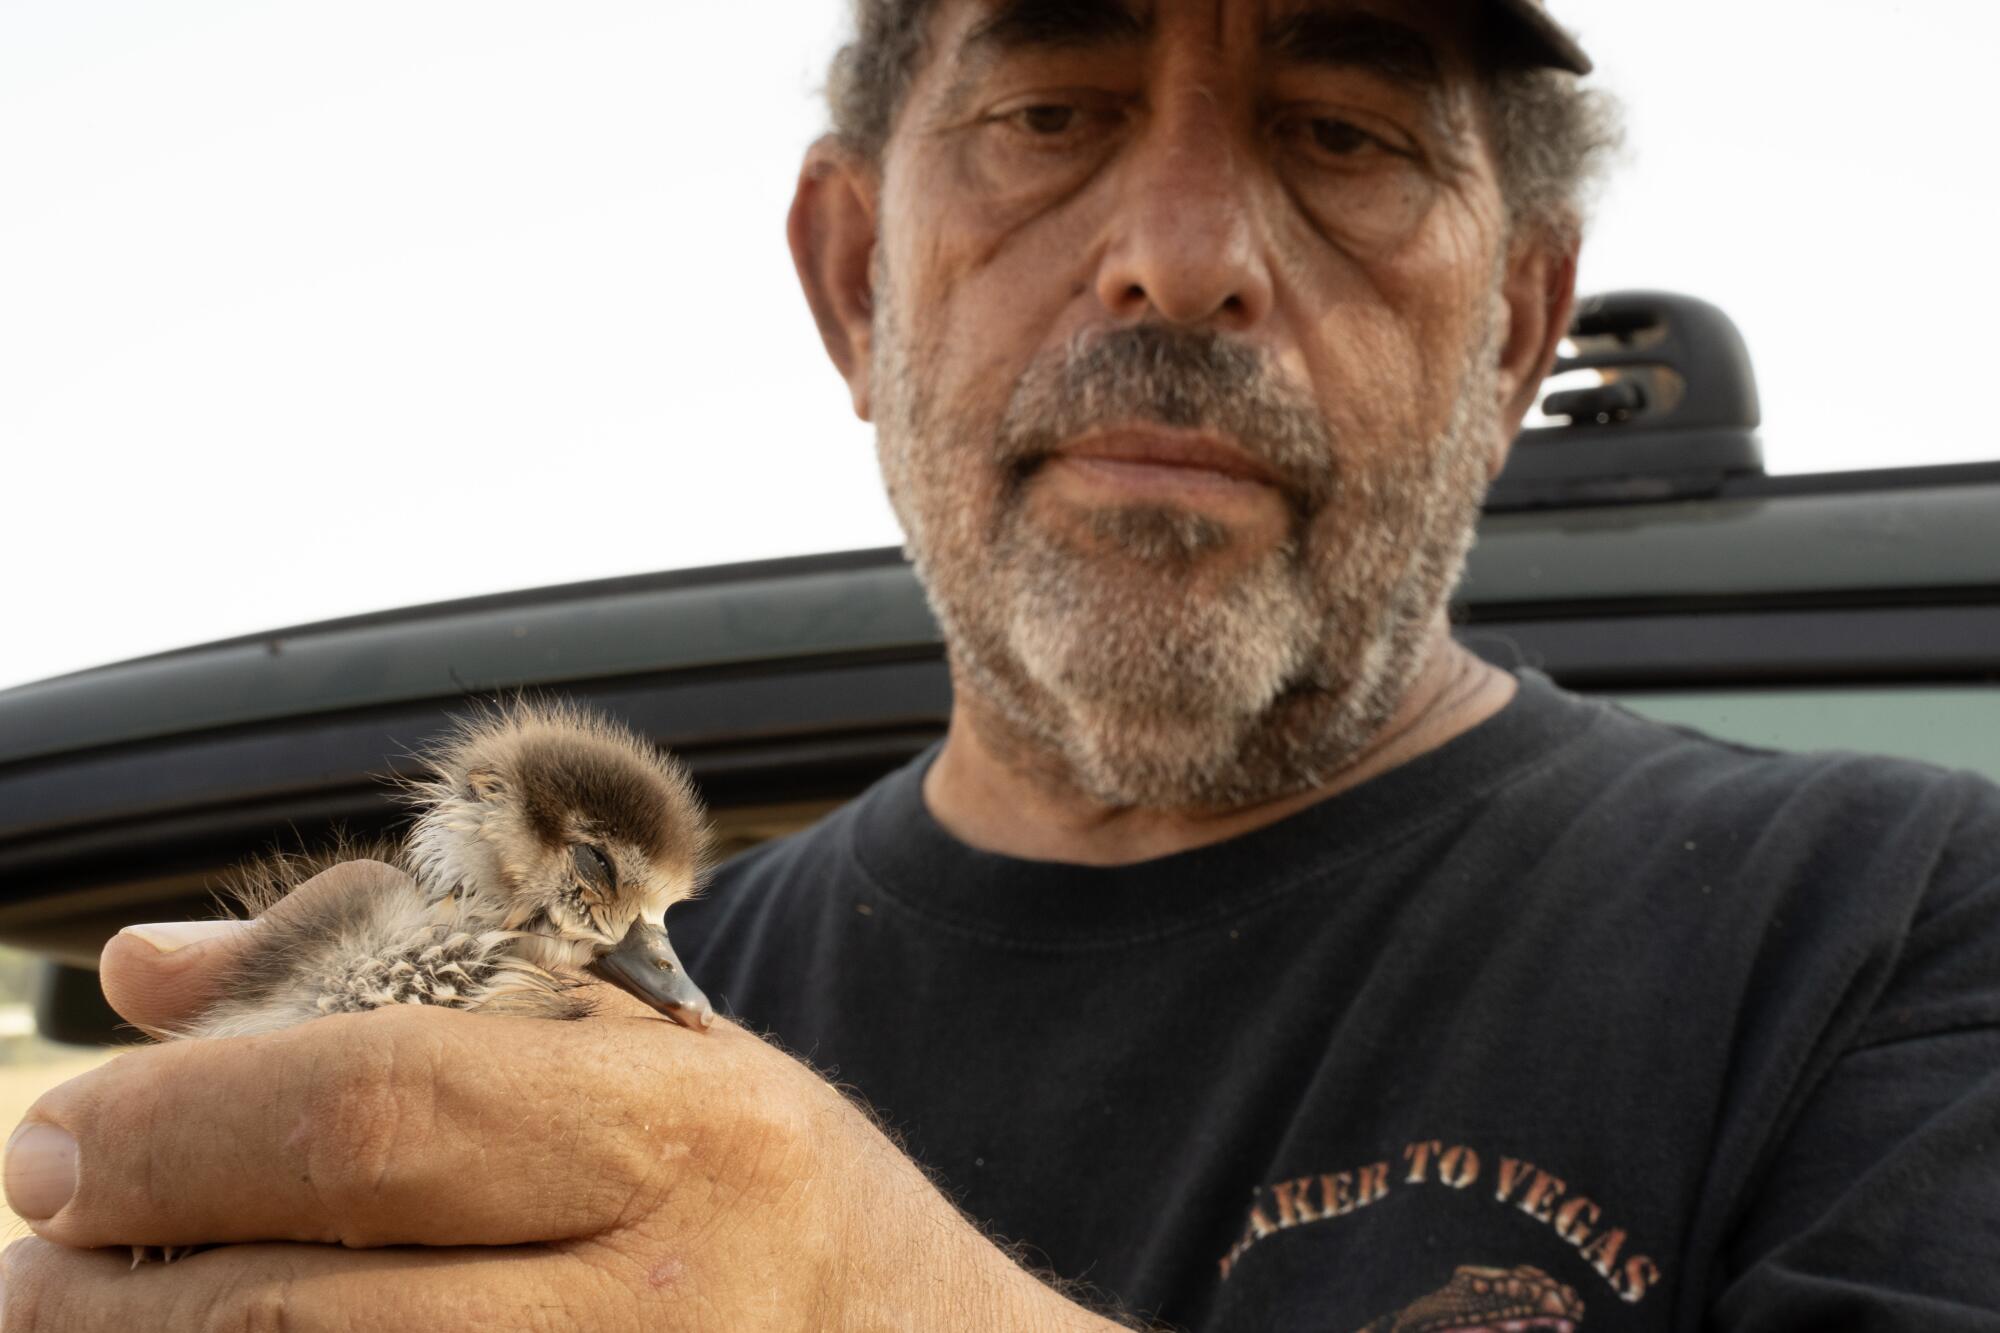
(546, 840)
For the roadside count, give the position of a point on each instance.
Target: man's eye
(1339, 137)
(1049, 120)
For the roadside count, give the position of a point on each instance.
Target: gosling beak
(644, 964)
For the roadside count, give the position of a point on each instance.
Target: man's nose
(1185, 243)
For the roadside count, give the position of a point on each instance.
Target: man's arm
(1879, 1206)
(1884, 1211)
(611, 1173)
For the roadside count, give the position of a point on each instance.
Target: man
(1248, 950)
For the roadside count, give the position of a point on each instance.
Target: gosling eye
(594, 867)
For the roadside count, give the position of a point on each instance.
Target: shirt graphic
(1523, 1299)
(1479, 1297)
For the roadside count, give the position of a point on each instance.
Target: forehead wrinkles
(990, 31)
(1298, 31)
(1000, 24)
(1398, 44)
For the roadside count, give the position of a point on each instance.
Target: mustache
(1185, 378)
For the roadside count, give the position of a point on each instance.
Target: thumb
(161, 975)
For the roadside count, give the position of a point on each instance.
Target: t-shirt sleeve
(1880, 1209)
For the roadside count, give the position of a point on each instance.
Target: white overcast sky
(309, 309)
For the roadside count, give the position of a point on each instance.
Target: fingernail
(167, 936)
(40, 1174)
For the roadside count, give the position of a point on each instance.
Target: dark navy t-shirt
(1579, 1020)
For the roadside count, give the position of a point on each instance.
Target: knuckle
(366, 1117)
(28, 1305)
(265, 1306)
(768, 1137)
(765, 1141)
(613, 1159)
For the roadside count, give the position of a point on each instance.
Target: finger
(160, 976)
(307, 1288)
(409, 1125)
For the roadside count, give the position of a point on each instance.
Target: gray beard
(1129, 663)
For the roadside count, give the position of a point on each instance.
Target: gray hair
(1551, 137)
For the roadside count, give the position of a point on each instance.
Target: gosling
(547, 840)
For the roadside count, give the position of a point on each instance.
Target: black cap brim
(1536, 38)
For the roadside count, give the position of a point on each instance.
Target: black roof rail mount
(1674, 413)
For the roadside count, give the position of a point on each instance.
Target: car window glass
(1953, 727)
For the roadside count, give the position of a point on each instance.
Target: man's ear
(1539, 294)
(832, 231)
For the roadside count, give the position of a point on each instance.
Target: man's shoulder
(1832, 831)
(1604, 814)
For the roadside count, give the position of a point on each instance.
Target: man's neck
(990, 796)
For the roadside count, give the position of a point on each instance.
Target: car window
(1951, 726)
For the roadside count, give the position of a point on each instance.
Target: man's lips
(1164, 462)
(1163, 446)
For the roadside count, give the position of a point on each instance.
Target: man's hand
(423, 1168)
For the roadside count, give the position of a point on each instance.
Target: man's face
(1184, 366)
